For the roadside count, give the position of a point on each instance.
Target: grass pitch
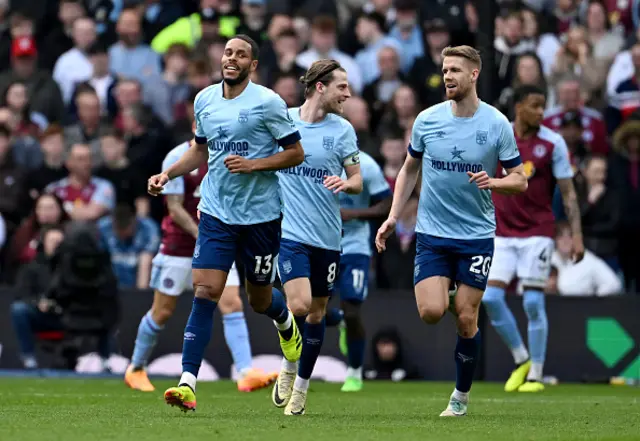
(101, 410)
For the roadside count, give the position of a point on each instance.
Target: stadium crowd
(95, 93)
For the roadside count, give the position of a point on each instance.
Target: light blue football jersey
(312, 212)
(450, 206)
(357, 233)
(253, 125)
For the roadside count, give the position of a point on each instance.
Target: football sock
(148, 332)
(236, 335)
(279, 313)
(334, 317)
(311, 345)
(534, 307)
(301, 323)
(502, 318)
(197, 334)
(466, 355)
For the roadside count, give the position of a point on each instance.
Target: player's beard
(242, 75)
(460, 93)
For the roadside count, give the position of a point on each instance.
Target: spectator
(129, 184)
(547, 43)
(570, 99)
(625, 181)
(357, 112)
(100, 80)
(394, 152)
(206, 24)
(253, 20)
(388, 358)
(129, 57)
(626, 97)
(323, 45)
(183, 128)
(12, 182)
(127, 92)
(572, 131)
(90, 124)
(426, 75)
(407, 32)
(60, 40)
(31, 313)
(576, 57)
(285, 48)
(44, 93)
(74, 65)
(401, 112)
(600, 210)
(288, 87)
(370, 30)
(379, 93)
(528, 72)
(623, 66)
(132, 242)
(589, 277)
(509, 46)
(24, 122)
(85, 198)
(164, 93)
(52, 168)
(606, 43)
(23, 248)
(14, 25)
(565, 15)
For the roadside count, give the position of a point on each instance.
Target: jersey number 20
(480, 265)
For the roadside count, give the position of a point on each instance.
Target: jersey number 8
(480, 265)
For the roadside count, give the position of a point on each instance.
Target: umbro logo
(464, 358)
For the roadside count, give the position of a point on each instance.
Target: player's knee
(533, 305)
(431, 314)
(206, 292)
(467, 323)
(299, 305)
(230, 301)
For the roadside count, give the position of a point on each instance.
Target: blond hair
(466, 52)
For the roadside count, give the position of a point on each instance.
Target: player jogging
(309, 259)
(239, 128)
(357, 212)
(524, 242)
(171, 275)
(458, 144)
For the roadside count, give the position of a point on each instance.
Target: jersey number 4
(480, 265)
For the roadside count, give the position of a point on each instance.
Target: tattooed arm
(572, 211)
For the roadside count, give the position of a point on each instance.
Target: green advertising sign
(610, 342)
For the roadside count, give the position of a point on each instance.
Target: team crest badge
(539, 151)
(243, 116)
(327, 143)
(168, 283)
(286, 266)
(481, 136)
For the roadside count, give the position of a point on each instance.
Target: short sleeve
(508, 153)
(104, 194)
(416, 147)
(279, 122)
(176, 185)
(152, 233)
(200, 136)
(350, 150)
(377, 185)
(560, 160)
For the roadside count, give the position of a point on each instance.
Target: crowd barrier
(590, 339)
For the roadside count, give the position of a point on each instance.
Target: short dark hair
(320, 71)
(521, 93)
(123, 216)
(254, 46)
(287, 32)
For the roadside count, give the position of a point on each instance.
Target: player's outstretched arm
(290, 156)
(193, 158)
(572, 211)
(405, 184)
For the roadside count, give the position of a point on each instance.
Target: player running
(458, 144)
(357, 211)
(309, 259)
(171, 275)
(239, 128)
(524, 242)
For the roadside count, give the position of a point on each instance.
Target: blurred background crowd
(94, 93)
